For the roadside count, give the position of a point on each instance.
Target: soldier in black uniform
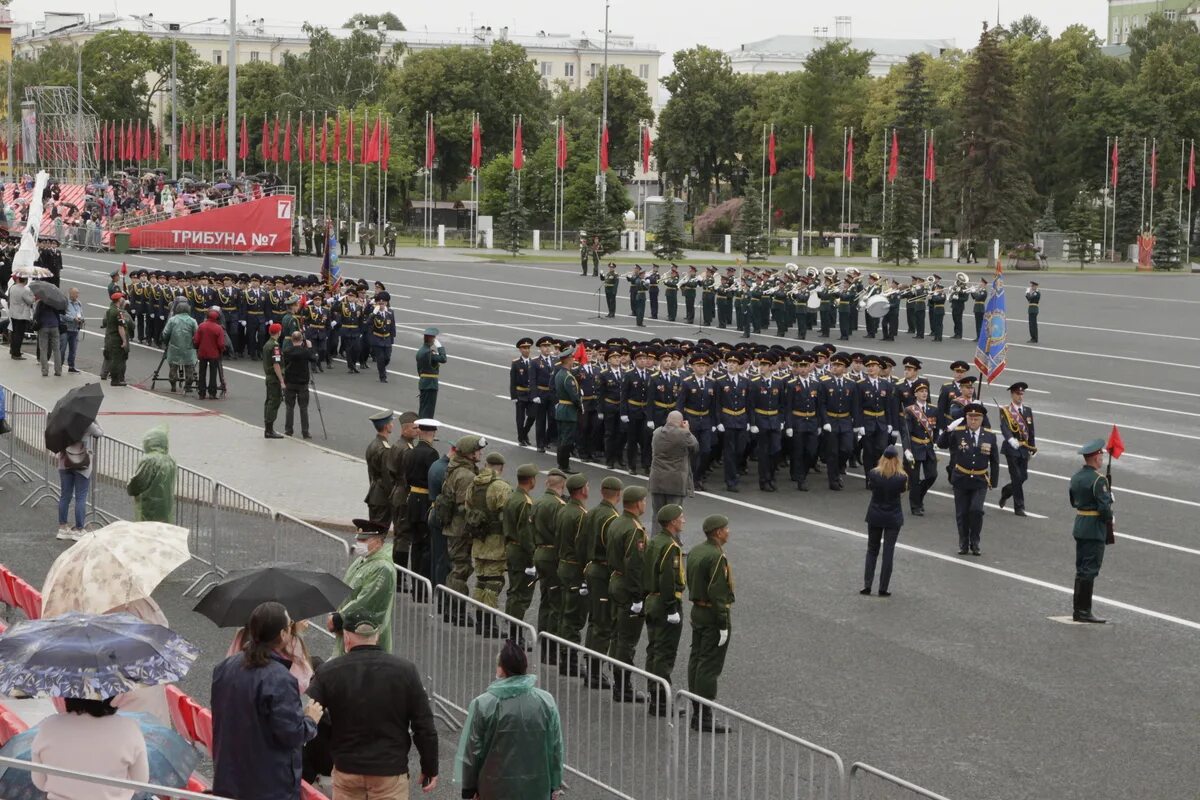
(937, 309)
(591, 436)
(415, 464)
(635, 397)
(708, 297)
(316, 328)
(520, 384)
(979, 298)
(918, 431)
(697, 401)
(542, 389)
(838, 399)
(687, 287)
(652, 280)
(801, 407)
(639, 287)
(766, 404)
(229, 298)
(974, 468)
(671, 290)
(611, 282)
(876, 416)
(1033, 297)
(958, 304)
(609, 384)
(733, 400)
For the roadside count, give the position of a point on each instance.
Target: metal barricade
(297, 542)
(243, 535)
(412, 622)
(464, 661)
(616, 746)
(752, 759)
(104, 780)
(27, 446)
(869, 783)
(194, 511)
(13, 445)
(114, 463)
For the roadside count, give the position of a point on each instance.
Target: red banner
(256, 226)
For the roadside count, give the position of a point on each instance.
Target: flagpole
(842, 212)
(1179, 201)
(325, 168)
(850, 190)
(1117, 156)
(337, 165)
(1142, 227)
(932, 181)
(1191, 192)
(812, 169)
(366, 188)
(924, 178)
(1104, 200)
(301, 153)
(883, 197)
(770, 193)
(1154, 177)
(762, 178)
(312, 160)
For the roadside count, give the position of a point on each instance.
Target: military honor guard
(766, 405)
(979, 300)
(876, 416)
(698, 402)
(733, 400)
(663, 581)
(1092, 499)
(626, 558)
(574, 613)
(838, 399)
(1020, 445)
(569, 401)
(381, 333)
(803, 425)
(918, 435)
(974, 468)
(612, 282)
(520, 389)
(542, 390)
(635, 399)
(609, 386)
(430, 357)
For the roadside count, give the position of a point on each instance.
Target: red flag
(581, 354)
(266, 140)
(894, 161)
(367, 141)
(560, 159)
(203, 142)
(287, 140)
(337, 140)
(646, 147)
(850, 159)
(223, 142)
(349, 140)
(275, 140)
(1154, 165)
(1191, 180)
(1115, 160)
(519, 146)
(476, 144)
(325, 140)
(604, 150)
(772, 167)
(243, 140)
(1115, 446)
(385, 154)
(377, 140)
(430, 142)
(930, 163)
(810, 157)
(312, 140)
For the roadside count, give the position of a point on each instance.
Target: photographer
(297, 374)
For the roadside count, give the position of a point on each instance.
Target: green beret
(1094, 446)
(527, 471)
(633, 494)
(470, 443)
(576, 481)
(669, 513)
(612, 484)
(495, 459)
(715, 523)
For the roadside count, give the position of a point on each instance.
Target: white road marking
(1109, 330)
(1075, 445)
(1106, 356)
(447, 303)
(1123, 296)
(531, 316)
(1144, 407)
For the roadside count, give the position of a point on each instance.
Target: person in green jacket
(545, 560)
(626, 550)
(372, 581)
(181, 353)
(592, 549)
(486, 501)
(511, 746)
(118, 330)
(153, 485)
(1092, 500)
(573, 615)
(663, 580)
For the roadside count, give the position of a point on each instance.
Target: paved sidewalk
(278, 473)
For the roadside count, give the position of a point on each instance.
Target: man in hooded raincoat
(153, 485)
(181, 354)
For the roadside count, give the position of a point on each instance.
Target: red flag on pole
(580, 354)
(894, 161)
(349, 140)
(287, 140)
(337, 140)
(771, 165)
(850, 159)
(243, 140)
(810, 157)
(519, 146)
(325, 140)
(266, 140)
(275, 140)
(604, 150)
(367, 141)
(99, 140)
(930, 163)
(203, 142)
(647, 145)
(430, 142)
(312, 139)
(1115, 161)
(476, 144)
(1115, 446)
(1191, 180)
(1154, 165)
(385, 154)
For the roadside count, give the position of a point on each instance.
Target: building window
(569, 70)
(644, 71)
(593, 70)
(254, 56)
(1171, 14)
(217, 57)
(547, 69)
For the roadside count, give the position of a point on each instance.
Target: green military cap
(1094, 446)
(576, 481)
(527, 471)
(380, 418)
(612, 484)
(633, 494)
(556, 473)
(470, 443)
(495, 459)
(293, 299)
(669, 513)
(715, 523)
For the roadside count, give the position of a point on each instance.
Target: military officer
(958, 304)
(635, 397)
(671, 292)
(1033, 297)
(626, 555)
(1092, 500)
(381, 331)
(801, 408)
(838, 399)
(664, 390)
(592, 549)
(316, 328)
(308, 236)
(517, 522)
(916, 307)
(118, 330)
(430, 358)
(486, 501)
(1020, 445)
(520, 385)
(708, 297)
(662, 579)
(609, 386)
(584, 254)
(611, 283)
(876, 413)
(733, 400)
(979, 298)
(724, 299)
(949, 391)
(591, 432)
(710, 588)
(450, 508)
(766, 404)
(937, 309)
(652, 281)
(918, 430)
(566, 410)
(379, 493)
(639, 289)
(343, 238)
(402, 526)
(542, 389)
(974, 468)
(545, 560)
(568, 527)
(698, 402)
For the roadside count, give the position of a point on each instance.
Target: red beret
(117, 296)
(274, 328)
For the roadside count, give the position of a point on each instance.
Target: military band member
(671, 292)
(574, 613)
(520, 386)
(1092, 500)
(802, 409)
(766, 405)
(958, 304)
(838, 399)
(698, 402)
(710, 588)
(664, 584)
(918, 434)
(430, 358)
(979, 298)
(596, 249)
(517, 520)
(568, 402)
(379, 493)
(890, 323)
(724, 299)
(612, 282)
(937, 309)
(847, 309)
(687, 287)
(639, 288)
(1033, 297)
(652, 281)
(626, 557)
(974, 468)
(1020, 445)
(592, 547)
(708, 298)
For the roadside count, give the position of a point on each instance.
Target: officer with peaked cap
(710, 589)
(974, 468)
(626, 554)
(372, 581)
(430, 356)
(379, 493)
(1092, 500)
(663, 582)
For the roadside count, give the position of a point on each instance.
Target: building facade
(787, 53)
(1126, 16)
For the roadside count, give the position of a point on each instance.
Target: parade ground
(970, 680)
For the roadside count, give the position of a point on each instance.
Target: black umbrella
(72, 415)
(49, 294)
(305, 593)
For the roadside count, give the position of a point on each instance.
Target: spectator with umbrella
(71, 430)
(51, 302)
(20, 311)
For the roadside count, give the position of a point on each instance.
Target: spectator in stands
(302, 663)
(153, 485)
(74, 479)
(377, 709)
(45, 321)
(89, 737)
(20, 312)
(259, 727)
(511, 746)
(72, 324)
(209, 340)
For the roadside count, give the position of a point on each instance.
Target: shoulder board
(826, 377)
(515, 360)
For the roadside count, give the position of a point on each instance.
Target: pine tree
(1046, 222)
(600, 223)
(896, 241)
(668, 233)
(1168, 239)
(749, 237)
(914, 116)
(513, 218)
(1082, 233)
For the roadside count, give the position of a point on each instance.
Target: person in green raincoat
(372, 581)
(153, 485)
(511, 746)
(181, 354)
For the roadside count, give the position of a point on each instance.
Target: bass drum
(877, 306)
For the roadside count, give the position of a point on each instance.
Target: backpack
(444, 506)
(77, 460)
(477, 518)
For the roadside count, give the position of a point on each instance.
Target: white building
(786, 53)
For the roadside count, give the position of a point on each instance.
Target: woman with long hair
(888, 483)
(87, 736)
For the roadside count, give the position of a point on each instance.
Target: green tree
(1168, 239)
(668, 233)
(749, 237)
(338, 71)
(1082, 232)
(512, 222)
(895, 243)
(628, 105)
(123, 70)
(914, 116)
(1047, 222)
(1029, 27)
(390, 21)
(600, 221)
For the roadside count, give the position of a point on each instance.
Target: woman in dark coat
(888, 483)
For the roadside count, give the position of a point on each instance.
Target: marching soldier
(765, 402)
(635, 397)
(545, 560)
(316, 328)
(837, 396)
(664, 391)
(592, 549)
(733, 399)
(916, 308)
(626, 555)
(671, 290)
(591, 432)
(803, 426)
(1033, 297)
(609, 386)
(379, 493)
(663, 582)
(847, 310)
(1092, 500)
(876, 413)
(1020, 444)
(688, 288)
(566, 410)
(612, 282)
(949, 391)
(710, 588)
(430, 358)
(569, 525)
(918, 430)
(979, 297)
(450, 509)
(974, 468)
(381, 330)
(488, 496)
(906, 385)
(520, 385)
(229, 298)
(698, 402)
(517, 520)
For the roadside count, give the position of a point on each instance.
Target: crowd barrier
(298, 542)
(101, 780)
(869, 783)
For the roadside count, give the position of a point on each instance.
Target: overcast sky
(669, 24)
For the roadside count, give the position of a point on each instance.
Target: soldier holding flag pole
(1091, 497)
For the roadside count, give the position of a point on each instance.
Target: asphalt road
(961, 681)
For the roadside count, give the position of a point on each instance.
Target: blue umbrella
(90, 656)
(171, 758)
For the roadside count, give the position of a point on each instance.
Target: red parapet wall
(255, 226)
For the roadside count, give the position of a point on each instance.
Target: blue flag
(991, 351)
(331, 272)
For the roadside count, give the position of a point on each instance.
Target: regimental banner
(256, 226)
(991, 351)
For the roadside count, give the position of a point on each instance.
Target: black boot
(1005, 493)
(460, 615)
(568, 662)
(703, 721)
(659, 701)
(270, 433)
(593, 675)
(623, 691)
(1083, 603)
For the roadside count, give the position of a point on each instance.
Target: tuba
(811, 272)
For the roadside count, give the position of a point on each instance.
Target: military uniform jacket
(904, 395)
(974, 459)
(520, 376)
(635, 394)
(1092, 500)
(460, 474)
(568, 528)
(838, 398)
(570, 399)
(1034, 299)
(517, 521)
(664, 394)
(255, 304)
(626, 553)
(394, 463)
(316, 320)
(429, 363)
(543, 378)
(766, 403)
(380, 491)
(611, 281)
(230, 300)
(946, 395)
(663, 573)
(592, 544)
(545, 524)
(1017, 425)
(802, 407)
(980, 298)
(698, 402)
(876, 405)
(733, 400)
(608, 391)
(588, 377)
(709, 585)
(349, 315)
(918, 431)
(382, 328)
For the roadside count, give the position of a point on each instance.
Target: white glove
(583, 590)
(895, 436)
(827, 428)
(599, 416)
(514, 399)
(624, 418)
(889, 428)
(720, 428)
(860, 431)
(908, 455)
(788, 433)
(636, 608)
(531, 572)
(1013, 443)
(956, 423)
(724, 637)
(650, 424)
(537, 400)
(754, 429)
(437, 344)
(674, 619)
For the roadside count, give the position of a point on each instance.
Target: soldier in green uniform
(569, 526)
(1033, 297)
(343, 238)
(290, 320)
(1093, 503)
(710, 588)
(612, 282)
(663, 580)
(592, 549)
(118, 330)
(979, 303)
(724, 300)
(450, 509)
(708, 297)
(545, 560)
(517, 521)
(272, 358)
(372, 235)
(372, 582)
(585, 253)
(389, 239)
(566, 411)
(671, 292)
(319, 235)
(308, 236)
(402, 526)
(688, 287)
(626, 551)
(485, 504)
(430, 357)
(379, 492)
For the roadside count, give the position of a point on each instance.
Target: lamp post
(231, 135)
